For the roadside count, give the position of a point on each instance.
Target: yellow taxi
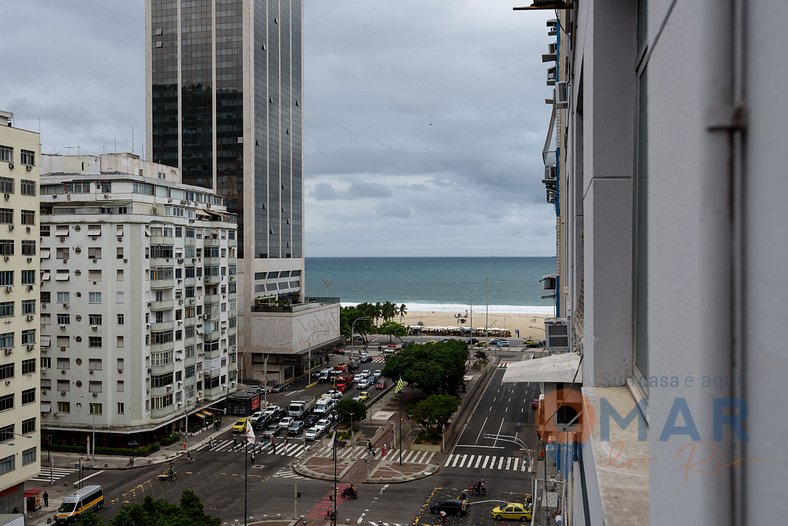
(511, 510)
(363, 396)
(240, 425)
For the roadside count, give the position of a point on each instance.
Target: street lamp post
(487, 309)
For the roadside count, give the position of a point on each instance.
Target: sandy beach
(529, 325)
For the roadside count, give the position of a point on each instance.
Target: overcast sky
(424, 120)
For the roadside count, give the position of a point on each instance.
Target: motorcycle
(479, 489)
(348, 493)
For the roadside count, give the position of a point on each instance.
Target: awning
(46, 407)
(199, 415)
(206, 413)
(563, 368)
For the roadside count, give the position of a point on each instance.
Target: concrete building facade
(225, 105)
(138, 300)
(674, 189)
(20, 454)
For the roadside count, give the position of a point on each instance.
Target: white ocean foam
(478, 310)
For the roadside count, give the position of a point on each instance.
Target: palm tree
(388, 311)
(402, 311)
(378, 311)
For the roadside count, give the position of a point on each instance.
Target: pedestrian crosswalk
(503, 365)
(495, 462)
(288, 449)
(57, 474)
(287, 473)
(356, 452)
(379, 359)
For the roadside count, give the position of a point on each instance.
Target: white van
(324, 405)
(83, 500)
(324, 376)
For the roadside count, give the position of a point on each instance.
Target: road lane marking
(481, 429)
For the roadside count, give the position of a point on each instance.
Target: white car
(270, 410)
(313, 433)
(323, 424)
(366, 374)
(358, 377)
(285, 422)
(257, 415)
(364, 383)
(376, 375)
(333, 393)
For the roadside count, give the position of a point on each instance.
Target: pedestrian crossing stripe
(381, 523)
(57, 473)
(289, 449)
(379, 359)
(503, 365)
(356, 452)
(287, 473)
(495, 462)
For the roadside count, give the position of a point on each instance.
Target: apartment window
(94, 252)
(7, 340)
(45, 276)
(63, 341)
(62, 253)
(7, 464)
(94, 297)
(94, 230)
(46, 362)
(28, 247)
(28, 187)
(94, 319)
(6, 371)
(6, 433)
(28, 157)
(6, 247)
(64, 319)
(28, 426)
(95, 387)
(28, 306)
(29, 456)
(121, 408)
(641, 200)
(121, 386)
(6, 215)
(120, 343)
(120, 363)
(28, 336)
(95, 409)
(28, 277)
(63, 363)
(6, 153)
(46, 383)
(94, 364)
(6, 402)
(29, 366)
(119, 275)
(121, 319)
(119, 297)
(94, 276)
(63, 297)
(6, 309)
(6, 185)
(62, 275)
(64, 407)
(94, 341)
(28, 217)
(28, 396)
(6, 277)
(63, 385)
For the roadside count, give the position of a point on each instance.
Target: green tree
(378, 312)
(162, 513)
(348, 315)
(402, 311)
(393, 329)
(388, 310)
(432, 367)
(351, 408)
(434, 412)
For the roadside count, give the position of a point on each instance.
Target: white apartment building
(138, 299)
(19, 398)
(674, 191)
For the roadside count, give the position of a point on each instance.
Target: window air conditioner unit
(9, 288)
(8, 350)
(95, 395)
(62, 328)
(65, 305)
(30, 317)
(120, 371)
(549, 173)
(10, 166)
(556, 333)
(5, 258)
(549, 282)
(94, 327)
(28, 168)
(7, 197)
(91, 371)
(29, 260)
(31, 346)
(11, 227)
(63, 348)
(27, 229)
(62, 393)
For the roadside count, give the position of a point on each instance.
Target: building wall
(161, 255)
(307, 328)
(19, 350)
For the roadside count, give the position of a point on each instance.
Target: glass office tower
(224, 103)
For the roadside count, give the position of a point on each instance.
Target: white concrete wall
(293, 333)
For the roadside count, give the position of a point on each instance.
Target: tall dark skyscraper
(224, 104)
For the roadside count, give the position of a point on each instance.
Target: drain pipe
(726, 122)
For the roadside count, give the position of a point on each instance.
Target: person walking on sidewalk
(46, 499)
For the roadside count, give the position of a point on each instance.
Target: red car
(380, 385)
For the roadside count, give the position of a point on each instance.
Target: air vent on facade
(31, 346)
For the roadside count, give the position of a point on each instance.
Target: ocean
(447, 284)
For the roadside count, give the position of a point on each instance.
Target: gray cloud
(424, 119)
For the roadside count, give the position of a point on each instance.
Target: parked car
(240, 425)
(271, 431)
(511, 510)
(295, 428)
(364, 383)
(285, 422)
(313, 433)
(450, 506)
(380, 385)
